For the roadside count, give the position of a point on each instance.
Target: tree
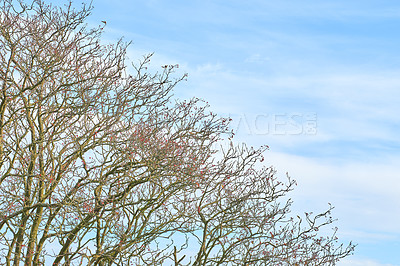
(100, 166)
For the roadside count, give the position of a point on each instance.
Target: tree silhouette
(101, 166)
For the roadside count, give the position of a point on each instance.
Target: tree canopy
(101, 165)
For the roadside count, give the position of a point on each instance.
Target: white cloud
(352, 106)
(365, 195)
(257, 58)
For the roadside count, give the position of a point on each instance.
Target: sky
(316, 81)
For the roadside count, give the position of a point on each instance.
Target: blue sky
(317, 81)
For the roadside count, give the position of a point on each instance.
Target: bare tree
(100, 166)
